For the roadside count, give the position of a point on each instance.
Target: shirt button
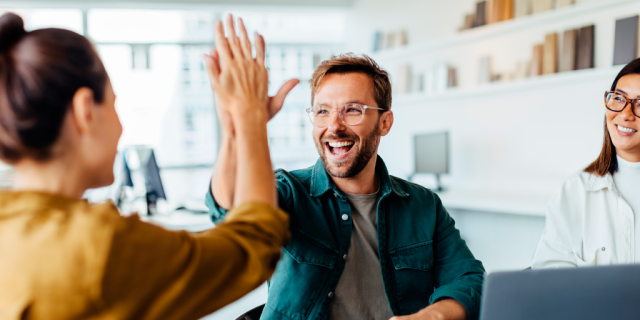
(330, 295)
(345, 217)
(344, 257)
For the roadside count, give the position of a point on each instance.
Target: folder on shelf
(522, 8)
(403, 85)
(585, 48)
(625, 48)
(469, 20)
(550, 57)
(452, 80)
(564, 3)
(569, 50)
(538, 6)
(536, 62)
(377, 41)
(481, 14)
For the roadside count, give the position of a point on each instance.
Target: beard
(353, 165)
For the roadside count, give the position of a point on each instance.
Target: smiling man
(365, 245)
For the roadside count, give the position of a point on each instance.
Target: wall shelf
(520, 85)
(499, 29)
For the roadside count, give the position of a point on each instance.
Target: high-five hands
(239, 80)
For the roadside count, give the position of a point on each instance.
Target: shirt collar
(322, 183)
(597, 183)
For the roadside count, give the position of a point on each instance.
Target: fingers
(234, 42)
(260, 49)
(221, 42)
(277, 101)
(212, 66)
(244, 40)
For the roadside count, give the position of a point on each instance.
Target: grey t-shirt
(360, 291)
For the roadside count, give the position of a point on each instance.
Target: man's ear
(82, 108)
(386, 122)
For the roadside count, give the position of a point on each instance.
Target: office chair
(253, 314)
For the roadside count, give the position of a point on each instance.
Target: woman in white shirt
(594, 219)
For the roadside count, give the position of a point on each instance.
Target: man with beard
(365, 245)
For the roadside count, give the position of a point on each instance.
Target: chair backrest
(253, 314)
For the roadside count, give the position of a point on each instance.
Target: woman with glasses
(594, 219)
(64, 258)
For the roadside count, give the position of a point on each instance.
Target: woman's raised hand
(237, 77)
(239, 81)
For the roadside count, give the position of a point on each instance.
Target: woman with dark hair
(63, 258)
(594, 219)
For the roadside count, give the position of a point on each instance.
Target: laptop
(589, 293)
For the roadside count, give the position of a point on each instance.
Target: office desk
(181, 220)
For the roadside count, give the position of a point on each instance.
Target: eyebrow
(626, 94)
(348, 102)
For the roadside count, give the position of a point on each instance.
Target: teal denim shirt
(422, 257)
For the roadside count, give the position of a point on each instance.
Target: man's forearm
(223, 181)
(446, 309)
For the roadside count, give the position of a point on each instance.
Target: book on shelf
(441, 71)
(507, 10)
(481, 14)
(569, 50)
(585, 48)
(536, 61)
(564, 3)
(495, 13)
(522, 8)
(550, 56)
(625, 48)
(485, 72)
(400, 39)
(522, 70)
(538, 6)
(452, 79)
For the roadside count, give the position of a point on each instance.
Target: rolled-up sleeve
(216, 212)
(458, 275)
(153, 273)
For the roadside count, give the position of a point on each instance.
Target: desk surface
(181, 220)
(508, 202)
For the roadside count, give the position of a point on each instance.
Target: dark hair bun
(11, 30)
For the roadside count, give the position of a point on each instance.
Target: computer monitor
(153, 181)
(432, 154)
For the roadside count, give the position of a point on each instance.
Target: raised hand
(240, 81)
(213, 62)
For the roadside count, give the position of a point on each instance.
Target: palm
(276, 102)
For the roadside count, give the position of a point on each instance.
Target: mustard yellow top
(67, 259)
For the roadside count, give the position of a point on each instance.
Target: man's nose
(335, 123)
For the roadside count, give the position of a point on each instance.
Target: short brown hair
(349, 62)
(607, 161)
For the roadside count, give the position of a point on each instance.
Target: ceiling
(174, 3)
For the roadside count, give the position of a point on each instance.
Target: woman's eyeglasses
(616, 102)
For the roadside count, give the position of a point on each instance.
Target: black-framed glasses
(616, 102)
(351, 114)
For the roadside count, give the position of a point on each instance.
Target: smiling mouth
(338, 148)
(625, 129)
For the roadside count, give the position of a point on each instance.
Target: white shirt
(627, 181)
(588, 223)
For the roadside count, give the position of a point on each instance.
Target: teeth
(340, 144)
(623, 129)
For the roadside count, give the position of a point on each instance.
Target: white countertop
(498, 201)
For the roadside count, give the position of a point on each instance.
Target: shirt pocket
(301, 276)
(600, 258)
(413, 270)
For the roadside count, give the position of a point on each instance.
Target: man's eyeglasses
(351, 114)
(616, 102)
